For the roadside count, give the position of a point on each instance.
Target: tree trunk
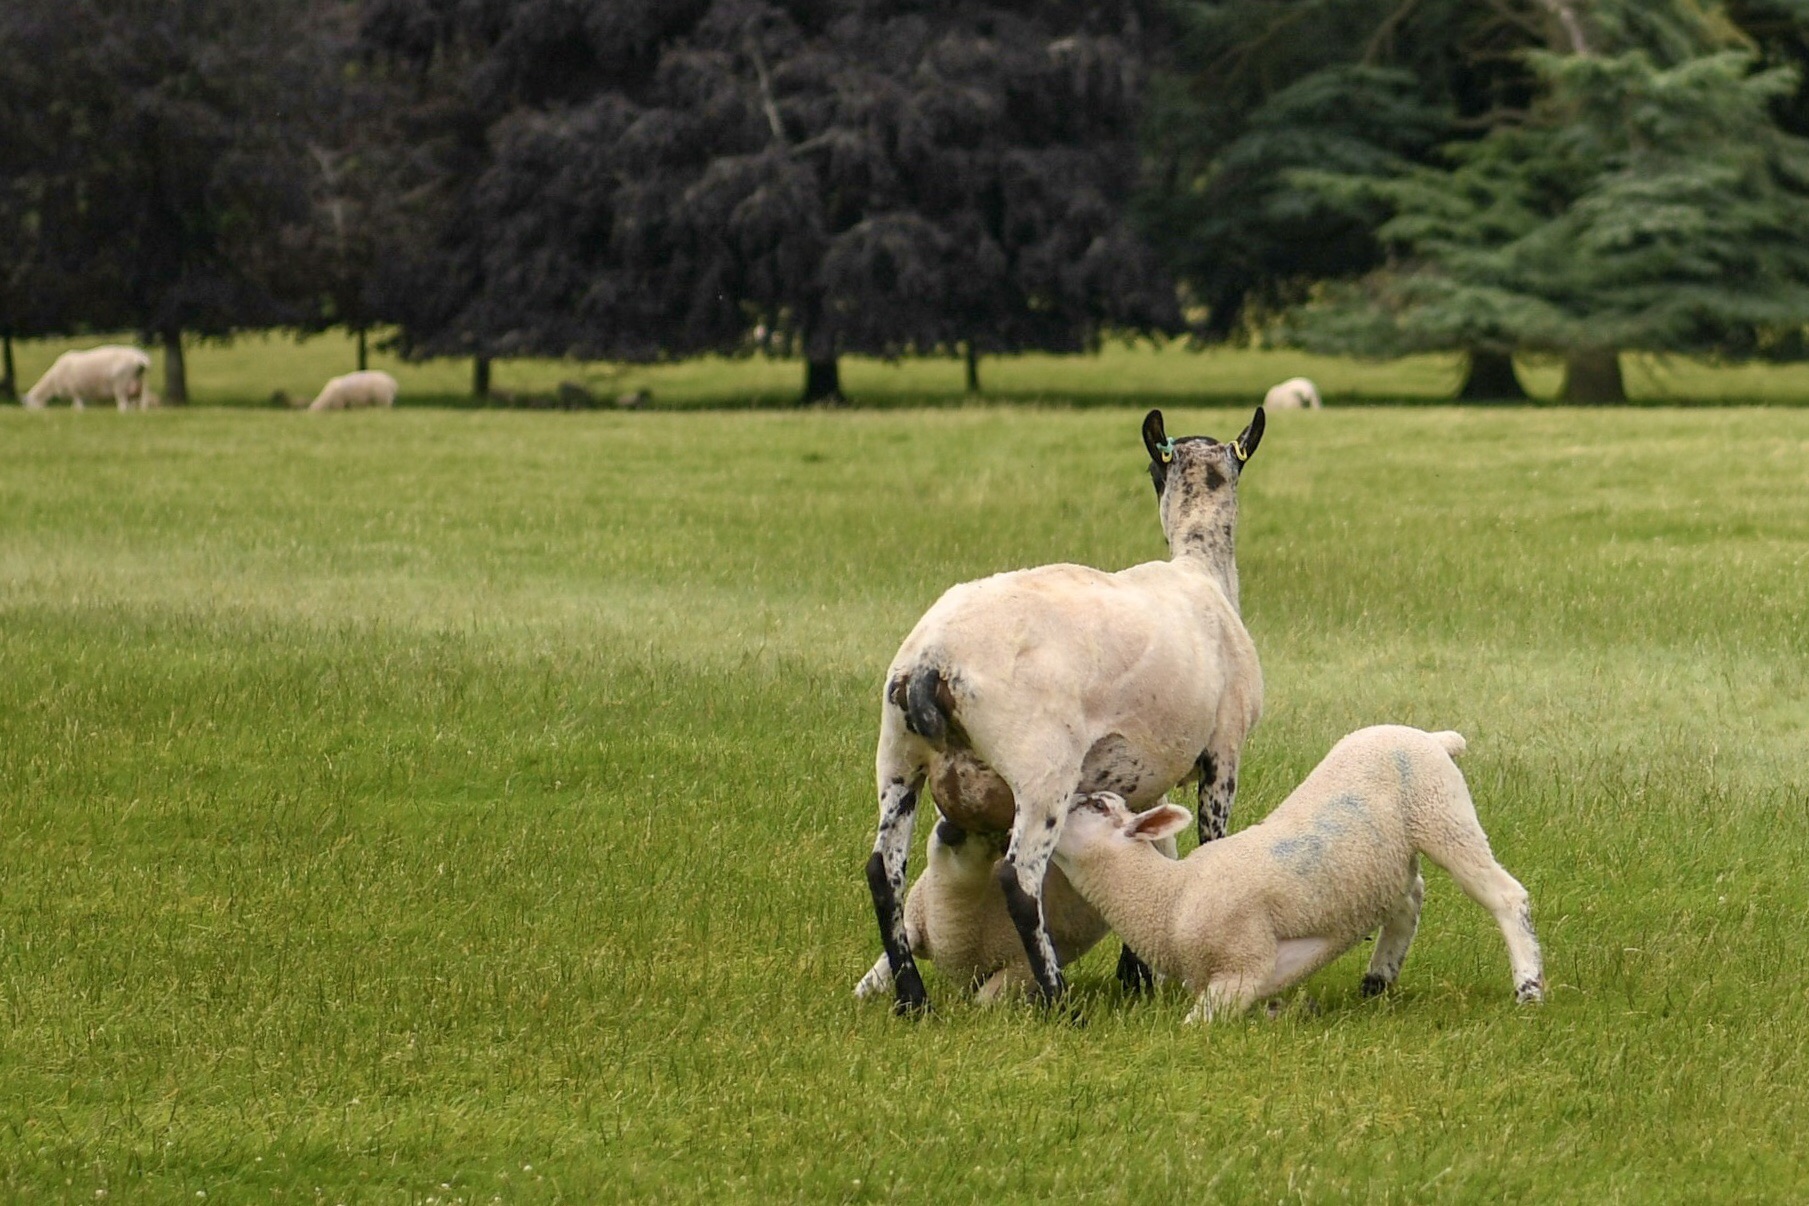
(1491, 379)
(1593, 378)
(9, 381)
(363, 361)
(973, 369)
(480, 378)
(823, 381)
(175, 369)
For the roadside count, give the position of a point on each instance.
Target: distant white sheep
(1296, 393)
(955, 916)
(109, 371)
(1029, 687)
(368, 387)
(1244, 918)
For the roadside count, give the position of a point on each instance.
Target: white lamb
(1243, 918)
(1296, 393)
(109, 371)
(1018, 691)
(368, 387)
(955, 916)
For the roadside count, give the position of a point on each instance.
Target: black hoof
(1134, 975)
(1374, 985)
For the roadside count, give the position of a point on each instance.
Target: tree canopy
(640, 181)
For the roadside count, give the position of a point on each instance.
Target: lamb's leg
(1396, 936)
(900, 782)
(877, 980)
(1462, 849)
(1042, 808)
(1226, 996)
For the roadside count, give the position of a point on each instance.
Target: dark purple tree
(605, 178)
(159, 168)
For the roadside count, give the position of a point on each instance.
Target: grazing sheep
(1243, 918)
(110, 371)
(1020, 690)
(368, 387)
(1296, 393)
(955, 916)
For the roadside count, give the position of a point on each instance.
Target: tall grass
(471, 807)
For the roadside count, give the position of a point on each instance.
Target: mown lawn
(471, 806)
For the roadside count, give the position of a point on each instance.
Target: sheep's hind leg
(1462, 849)
(1042, 808)
(1396, 936)
(900, 784)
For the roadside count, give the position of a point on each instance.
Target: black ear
(1156, 439)
(1244, 447)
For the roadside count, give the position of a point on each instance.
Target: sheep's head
(1196, 482)
(1103, 816)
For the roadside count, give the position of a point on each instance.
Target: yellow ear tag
(1167, 449)
(1237, 450)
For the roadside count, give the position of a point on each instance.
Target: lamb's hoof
(1274, 1007)
(1374, 985)
(1134, 975)
(1530, 993)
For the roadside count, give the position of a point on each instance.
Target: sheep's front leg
(1396, 936)
(1218, 791)
(886, 880)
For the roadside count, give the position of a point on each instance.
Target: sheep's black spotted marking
(1208, 766)
(1026, 915)
(1048, 822)
(907, 981)
(949, 833)
(1214, 479)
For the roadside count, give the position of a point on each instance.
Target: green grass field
(246, 371)
(472, 806)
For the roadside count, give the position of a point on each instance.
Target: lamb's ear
(1161, 452)
(1244, 447)
(1162, 821)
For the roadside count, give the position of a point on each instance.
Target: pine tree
(1649, 201)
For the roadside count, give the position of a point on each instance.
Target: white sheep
(1025, 688)
(367, 387)
(109, 371)
(955, 916)
(1243, 918)
(1296, 393)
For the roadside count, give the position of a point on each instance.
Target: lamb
(1016, 692)
(367, 387)
(1296, 393)
(109, 371)
(1242, 919)
(955, 916)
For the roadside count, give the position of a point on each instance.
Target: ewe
(1015, 692)
(1296, 393)
(110, 371)
(1243, 918)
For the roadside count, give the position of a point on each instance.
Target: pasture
(471, 806)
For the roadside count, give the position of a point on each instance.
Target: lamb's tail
(1452, 741)
(928, 705)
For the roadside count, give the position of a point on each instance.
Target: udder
(970, 793)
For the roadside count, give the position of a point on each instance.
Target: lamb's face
(1103, 817)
